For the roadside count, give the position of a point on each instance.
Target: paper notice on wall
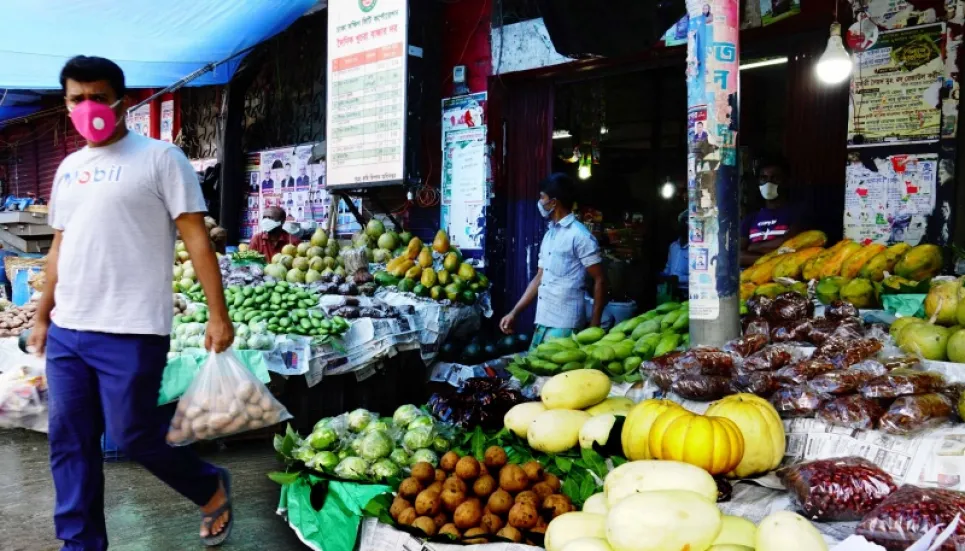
(167, 121)
(890, 204)
(896, 88)
(139, 120)
(465, 173)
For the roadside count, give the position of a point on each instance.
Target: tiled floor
(142, 513)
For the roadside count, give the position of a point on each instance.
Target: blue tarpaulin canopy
(156, 42)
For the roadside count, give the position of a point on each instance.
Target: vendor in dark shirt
(767, 229)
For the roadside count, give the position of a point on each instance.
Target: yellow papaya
(793, 263)
(425, 258)
(467, 272)
(768, 256)
(414, 273)
(831, 266)
(413, 249)
(806, 240)
(443, 278)
(402, 267)
(394, 263)
(763, 273)
(855, 262)
(428, 278)
(451, 262)
(770, 290)
(441, 242)
(884, 261)
(812, 267)
(920, 263)
(747, 290)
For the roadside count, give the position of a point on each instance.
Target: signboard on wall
(366, 108)
(896, 88)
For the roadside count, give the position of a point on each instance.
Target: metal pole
(712, 172)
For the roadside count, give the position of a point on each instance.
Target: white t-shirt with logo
(116, 206)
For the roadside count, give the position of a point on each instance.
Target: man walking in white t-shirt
(105, 312)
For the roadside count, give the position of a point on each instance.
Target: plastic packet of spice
(802, 371)
(761, 383)
(747, 345)
(902, 382)
(846, 381)
(791, 331)
(707, 360)
(905, 516)
(798, 401)
(703, 388)
(841, 489)
(853, 411)
(821, 330)
(771, 358)
(911, 414)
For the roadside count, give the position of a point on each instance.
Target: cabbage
(359, 419)
(384, 468)
(375, 445)
(440, 444)
(343, 453)
(324, 422)
(424, 456)
(404, 415)
(322, 438)
(240, 343)
(176, 345)
(242, 331)
(380, 426)
(416, 438)
(421, 421)
(352, 468)
(303, 454)
(324, 461)
(356, 446)
(400, 456)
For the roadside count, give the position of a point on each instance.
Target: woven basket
(12, 264)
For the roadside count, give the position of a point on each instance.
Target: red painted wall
(466, 41)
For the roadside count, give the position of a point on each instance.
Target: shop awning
(156, 43)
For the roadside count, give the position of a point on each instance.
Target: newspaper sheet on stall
(440, 321)
(375, 536)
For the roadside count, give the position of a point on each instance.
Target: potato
(192, 411)
(542, 490)
(410, 488)
(271, 417)
(540, 527)
(441, 520)
(534, 471)
(175, 436)
(500, 502)
(484, 486)
(218, 421)
(553, 481)
(425, 524)
(450, 530)
(427, 503)
(511, 534)
(235, 408)
(467, 468)
(452, 499)
(556, 505)
(512, 478)
(523, 516)
(435, 487)
(406, 517)
(200, 423)
(529, 497)
(441, 476)
(495, 457)
(253, 411)
(266, 403)
(492, 523)
(467, 515)
(475, 536)
(399, 504)
(453, 483)
(237, 425)
(424, 473)
(448, 461)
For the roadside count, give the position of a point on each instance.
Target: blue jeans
(98, 382)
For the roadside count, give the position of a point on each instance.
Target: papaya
(414, 273)
(833, 263)
(401, 268)
(770, 290)
(443, 277)
(884, 261)
(452, 291)
(762, 273)
(812, 267)
(451, 263)
(852, 266)
(859, 292)
(394, 263)
(747, 290)
(792, 264)
(437, 293)
(920, 263)
(425, 258)
(428, 277)
(768, 256)
(806, 240)
(467, 272)
(441, 242)
(829, 289)
(413, 249)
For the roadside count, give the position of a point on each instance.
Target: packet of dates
(841, 489)
(224, 399)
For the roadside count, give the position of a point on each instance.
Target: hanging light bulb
(834, 65)
(584, 171)
(667, 190)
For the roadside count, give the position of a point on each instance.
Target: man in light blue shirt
(678, 258)
(568, 253)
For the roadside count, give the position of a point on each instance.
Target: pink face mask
(94, 121)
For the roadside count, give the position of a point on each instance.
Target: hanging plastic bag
(224, 399)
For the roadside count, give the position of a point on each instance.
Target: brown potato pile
(474, 501)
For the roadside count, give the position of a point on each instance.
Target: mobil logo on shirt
(92, 175)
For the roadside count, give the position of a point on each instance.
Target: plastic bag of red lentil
(905, 516)
(841, 489)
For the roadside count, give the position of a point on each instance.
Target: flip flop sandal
(209, 519)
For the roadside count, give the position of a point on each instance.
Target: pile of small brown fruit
(472, 501)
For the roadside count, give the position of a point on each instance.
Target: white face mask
(267, 224)
(543, 211)
(769, 191)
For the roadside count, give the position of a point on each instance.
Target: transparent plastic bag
(224, 399)
(707, 360)
(798, 401)
(703, 388)
(747, 345)
(853, 411)
(905, 516)
(849, 380)
(902, 382)
(840, 489)
(771, 358)
(911, 414)
(802, 371)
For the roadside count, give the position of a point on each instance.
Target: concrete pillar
(713, 57)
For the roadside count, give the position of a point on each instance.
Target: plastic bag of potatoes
(224, 399)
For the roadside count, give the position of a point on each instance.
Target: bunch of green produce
(248, 256)
(361, 446)
(618, 352)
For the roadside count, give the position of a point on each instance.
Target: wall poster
(167, 121)
(891, 204)
(896, 88)
(139, 120)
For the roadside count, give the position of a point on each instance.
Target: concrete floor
(142, 513)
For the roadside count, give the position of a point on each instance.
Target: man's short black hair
(84, 68)
(776, 161)
(559, 186)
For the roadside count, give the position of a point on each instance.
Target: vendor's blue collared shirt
(678, 262)
(568, 249)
